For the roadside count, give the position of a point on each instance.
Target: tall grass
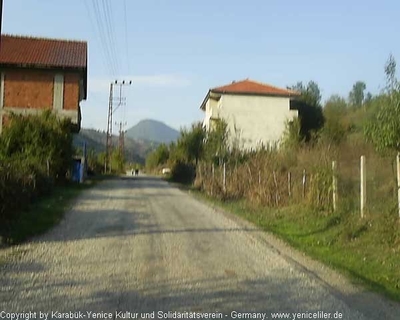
(367, 249)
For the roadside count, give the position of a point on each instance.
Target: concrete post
(334, 185)
(398, 181)
(363, 186)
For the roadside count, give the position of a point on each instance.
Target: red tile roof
(41, 52)
(253, 87)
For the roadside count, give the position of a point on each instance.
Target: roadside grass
(366, 250)
(46, 212)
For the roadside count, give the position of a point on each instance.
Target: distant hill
(152, 130)
(135, 151)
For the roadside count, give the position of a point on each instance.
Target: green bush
(183, 172)
(35, 153)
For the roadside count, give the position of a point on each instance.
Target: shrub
(183, 172)
(35, 153)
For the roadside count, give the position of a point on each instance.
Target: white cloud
(160, 80)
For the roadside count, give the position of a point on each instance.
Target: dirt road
(139, 245)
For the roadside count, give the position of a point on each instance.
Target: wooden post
(224, 178)
(276, 189)
(289, 179)
(334, 185)
(259, 177)
(304, 183)
(398, 181)
(363, 186)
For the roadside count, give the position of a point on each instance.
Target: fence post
(276, 189)
(212, 179)
(289, 178)
(259, 177)
(334, 185)
(398, 180)
(363, 186)
(224, 178)
(304, 183)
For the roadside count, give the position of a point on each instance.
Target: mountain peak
(152, 130)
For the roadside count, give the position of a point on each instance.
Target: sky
(174, 51)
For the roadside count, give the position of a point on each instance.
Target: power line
(103, 36)
(101, 43)
(107, 10)
(126, 39)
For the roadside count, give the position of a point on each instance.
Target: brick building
(42, 74)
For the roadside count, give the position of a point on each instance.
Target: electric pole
(1, 18)
(121, 141)
(1, 14)
(111, 110)
(107, 160)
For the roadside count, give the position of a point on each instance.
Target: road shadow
(225, 294)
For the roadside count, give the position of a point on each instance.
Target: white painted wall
(253, 120)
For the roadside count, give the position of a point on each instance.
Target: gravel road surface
(139, 245)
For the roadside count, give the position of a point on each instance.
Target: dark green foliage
(35, 153)
(38, 140)
(183, 172)
(311, 119)
(309, 109)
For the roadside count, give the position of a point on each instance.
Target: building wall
(255, 120)
(28, 89)
(31, 91)
(211, 111)
(71, 91)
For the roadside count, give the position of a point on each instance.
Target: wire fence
(370, 188)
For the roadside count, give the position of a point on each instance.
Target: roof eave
(41, 66)
(288, 95)
(203, 104)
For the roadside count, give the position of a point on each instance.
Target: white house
(256, 113)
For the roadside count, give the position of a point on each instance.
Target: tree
(368, 98)
(384, 129)
(158, 157)
(310, 94)
(309, 109)
(216, 143)
(356, 95)
(336, 125)
(191, 142)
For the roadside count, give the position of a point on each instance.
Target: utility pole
(1, 14)
(121, 141)
(107, 160)
(111, 110)
(1, 18)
